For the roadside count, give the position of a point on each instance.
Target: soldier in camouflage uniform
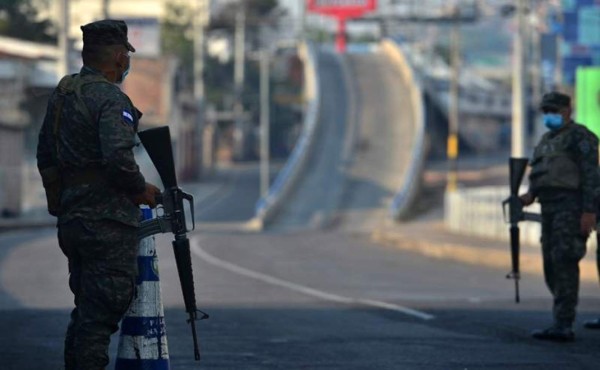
(563, 179)
(94, 186)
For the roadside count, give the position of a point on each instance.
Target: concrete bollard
(143, 338)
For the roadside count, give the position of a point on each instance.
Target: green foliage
(176, 33)
(177, 40)
(19, 19)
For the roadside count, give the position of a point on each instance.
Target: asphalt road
(313, 292)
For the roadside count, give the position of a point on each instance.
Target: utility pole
(519, 133)
(453, 109)
(385, 24)
(63, 39)
(264, 122)
(558, 75)
(240, 40)
(303, 10)
(105, 9)
(536, 62)
(200, 20)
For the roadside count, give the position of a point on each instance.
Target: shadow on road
(332, 337)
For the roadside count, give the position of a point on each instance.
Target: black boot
(556, 333)
(592, 324)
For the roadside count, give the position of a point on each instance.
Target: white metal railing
(478, 212)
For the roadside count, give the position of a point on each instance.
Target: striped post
(143, 339)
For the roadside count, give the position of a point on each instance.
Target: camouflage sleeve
(44, 155)
(117, 139)
(587, 158)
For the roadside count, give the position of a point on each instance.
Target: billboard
(580, 30)
(588, 98)
(341, 8)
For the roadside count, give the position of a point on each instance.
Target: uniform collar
(565, 128)
(87, 70)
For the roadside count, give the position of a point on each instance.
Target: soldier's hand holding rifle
(148, 197)
(527, 199)
(587, 223)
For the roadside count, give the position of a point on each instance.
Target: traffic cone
(143, 337)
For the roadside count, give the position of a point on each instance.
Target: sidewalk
(428, 236)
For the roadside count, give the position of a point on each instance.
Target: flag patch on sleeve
(128, 117)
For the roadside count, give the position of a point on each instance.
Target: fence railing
(478, 212)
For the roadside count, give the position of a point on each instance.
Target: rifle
(157, 142)
(517, 168)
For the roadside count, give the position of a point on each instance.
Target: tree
(177, 40)
(20, 19)
(176, 32)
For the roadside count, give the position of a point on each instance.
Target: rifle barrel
(195, 337)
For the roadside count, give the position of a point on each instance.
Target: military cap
(106, 32)
(555, 100)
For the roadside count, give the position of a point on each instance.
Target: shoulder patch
(584, 146)
(128, 118)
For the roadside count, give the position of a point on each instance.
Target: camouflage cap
(555, 100)
(106, 32)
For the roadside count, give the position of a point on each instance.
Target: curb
(531, 263)
(407, 194)
(20, 224)
(287, 179)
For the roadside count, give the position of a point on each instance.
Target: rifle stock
(157, 142)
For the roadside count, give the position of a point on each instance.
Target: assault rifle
(517, 168)
(157, 142)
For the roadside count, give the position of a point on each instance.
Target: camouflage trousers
(102, 266)
(562, 249)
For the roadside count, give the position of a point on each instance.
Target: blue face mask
(553, 121)
(125, 73)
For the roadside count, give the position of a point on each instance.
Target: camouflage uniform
(90, 144)
(563, 246)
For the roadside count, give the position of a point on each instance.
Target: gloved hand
(148, 197)
(588, 223)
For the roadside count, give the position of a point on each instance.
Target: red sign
(341, 8)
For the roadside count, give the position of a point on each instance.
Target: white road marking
(201, 253)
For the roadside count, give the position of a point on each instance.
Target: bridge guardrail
(267, 206)
(408, 191)
(477, 211)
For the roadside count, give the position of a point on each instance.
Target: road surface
(313, 292)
